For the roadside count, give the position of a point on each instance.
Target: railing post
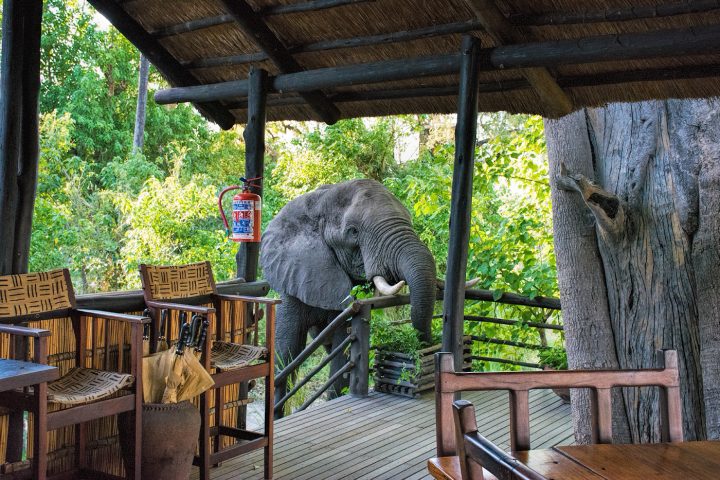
(360, 352)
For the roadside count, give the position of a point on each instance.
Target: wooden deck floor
(385, 437)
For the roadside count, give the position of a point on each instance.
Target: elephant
(326, 241)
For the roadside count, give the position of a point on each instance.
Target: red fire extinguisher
(246, 212)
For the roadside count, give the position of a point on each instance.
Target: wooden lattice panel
(32, 293)
(178, 281)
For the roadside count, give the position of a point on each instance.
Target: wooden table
(17, 374)
(660, 461)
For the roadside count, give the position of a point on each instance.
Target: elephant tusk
(385, 288)
(469, 284)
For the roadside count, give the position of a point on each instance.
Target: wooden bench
(462, 453)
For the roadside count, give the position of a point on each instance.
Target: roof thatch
(212, 46)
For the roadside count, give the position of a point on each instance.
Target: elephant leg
(337, 363)
(290, 336)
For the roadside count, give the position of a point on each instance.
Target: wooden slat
(385, 436)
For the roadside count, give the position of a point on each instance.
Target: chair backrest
(518, 384)
(36, 296)
(475, 452)
(172, 282)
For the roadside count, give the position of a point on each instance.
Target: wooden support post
(254, 135)
(19, 92)
(360, 352)
(461, 203)
(248, 253)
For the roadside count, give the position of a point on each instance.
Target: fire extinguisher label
(243, 216)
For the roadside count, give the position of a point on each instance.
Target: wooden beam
(354, 42)
(161, 58)
(634, 12)
(320, 78)
(209, 22)
(658, 44)
(253, 25)
(557, 103)
(310, 6)
(461, 202)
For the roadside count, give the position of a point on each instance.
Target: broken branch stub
(609, 211)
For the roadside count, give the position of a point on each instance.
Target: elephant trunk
(416, 266)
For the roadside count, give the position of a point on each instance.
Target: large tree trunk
(649, 178)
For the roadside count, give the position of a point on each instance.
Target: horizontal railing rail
(358, 316)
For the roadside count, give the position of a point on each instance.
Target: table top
(659, 461)
(17, 374)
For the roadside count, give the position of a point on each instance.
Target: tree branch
(608, 209)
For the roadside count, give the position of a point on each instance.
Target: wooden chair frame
(253, 440)
(79, 415)
(456, 431)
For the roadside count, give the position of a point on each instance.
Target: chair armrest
(180, 306)
(24, 331)
(122, 317)
(245, 298)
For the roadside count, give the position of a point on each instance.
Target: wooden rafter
(379, 39)
(658, 44)
(634, 12)
(503, 32)
(302, 7)
(160, 57)
(255, 27)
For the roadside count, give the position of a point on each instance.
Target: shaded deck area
(386, 437)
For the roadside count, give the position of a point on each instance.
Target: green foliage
(554, 357)
(171, 222)
(364, 290)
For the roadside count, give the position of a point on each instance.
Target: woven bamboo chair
(82, 394)
(190, 289)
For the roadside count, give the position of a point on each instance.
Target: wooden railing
(356, 318)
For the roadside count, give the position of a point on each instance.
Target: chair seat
(448, 468)
(84, 385)
(229, 356)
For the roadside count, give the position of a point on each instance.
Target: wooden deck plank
(384, 437)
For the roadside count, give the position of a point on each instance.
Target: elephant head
(322, 243)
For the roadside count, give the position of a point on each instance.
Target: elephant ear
(297, 261)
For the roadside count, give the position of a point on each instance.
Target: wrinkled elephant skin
(324, 242)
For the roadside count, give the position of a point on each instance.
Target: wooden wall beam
(161, 58)
(371, 40)
(557, 103)
(254, 26)
(461, 202)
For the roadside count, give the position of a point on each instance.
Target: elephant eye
(351, 232)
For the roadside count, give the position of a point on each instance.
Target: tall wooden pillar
(461, 202)
(254, 135)
(248, 253)
(19, 91)
(19, 150)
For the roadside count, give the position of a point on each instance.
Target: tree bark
(139, 132)
(586, 316)
(650, 182)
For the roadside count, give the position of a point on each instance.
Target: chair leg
(81, 443)
(269, 427)
(218, 420)
(40, 440)
(135, 472)
(205, 435)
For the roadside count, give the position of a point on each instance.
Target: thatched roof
(210, 45)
